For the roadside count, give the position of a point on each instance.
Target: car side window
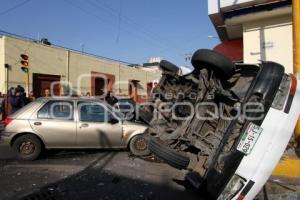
(92, 112)
(61, 110)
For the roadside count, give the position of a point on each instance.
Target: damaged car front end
(226, 123)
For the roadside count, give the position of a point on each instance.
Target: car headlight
(233, 187)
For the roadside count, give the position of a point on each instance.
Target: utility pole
(289, 167)
(82, 47)
(296, 56)
(7, 67)
(187, 58)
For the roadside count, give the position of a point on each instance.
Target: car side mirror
(113, 120)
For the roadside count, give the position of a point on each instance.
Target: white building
(265, 26)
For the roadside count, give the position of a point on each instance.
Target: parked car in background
(226, 124)
(65, 123)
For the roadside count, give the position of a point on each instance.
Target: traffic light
(25, 63)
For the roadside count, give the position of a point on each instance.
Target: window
(92, 112)
(62, 110)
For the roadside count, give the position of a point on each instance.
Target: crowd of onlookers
(14, 100)
(17, 99)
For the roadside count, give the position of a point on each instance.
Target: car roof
(66, 98)
(69, 98)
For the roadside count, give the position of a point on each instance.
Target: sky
(126, 30)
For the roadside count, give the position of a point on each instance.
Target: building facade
(264, 26)
(59, 68)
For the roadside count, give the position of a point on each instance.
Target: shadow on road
(94, 182)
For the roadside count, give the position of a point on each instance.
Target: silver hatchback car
(65, 123)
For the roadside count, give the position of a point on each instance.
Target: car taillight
(7, 121)
(292, 93)
(293, 85)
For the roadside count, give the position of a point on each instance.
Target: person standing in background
(17, 101)
(111, 99)
(2, 99)
(47, 92)
(31, 97)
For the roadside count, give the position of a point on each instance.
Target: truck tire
(221, 65)
(167, 154)
(168, 66)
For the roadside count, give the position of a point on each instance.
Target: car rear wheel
(139, 146)
(170, 156)
(27, 147)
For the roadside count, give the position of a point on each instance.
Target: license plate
(249, 138)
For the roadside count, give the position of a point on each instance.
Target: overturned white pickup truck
(228, 124)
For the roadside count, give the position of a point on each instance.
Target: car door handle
(37, 123)
(84, 125)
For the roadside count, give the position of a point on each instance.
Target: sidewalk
(285, 180)
(282, 188)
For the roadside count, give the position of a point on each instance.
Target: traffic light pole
(7, 67)
(27, 82)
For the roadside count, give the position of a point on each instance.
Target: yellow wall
(269, 39)
(83, 65)
(69, 65)
(42, 59)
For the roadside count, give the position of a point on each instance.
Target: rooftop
(48, 43)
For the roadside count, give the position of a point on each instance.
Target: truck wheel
(221, 65)
(168, 66)
(139, 146)
(27, 147)
(167, 154)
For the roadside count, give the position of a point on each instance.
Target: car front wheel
(27, 147)
(139, 146)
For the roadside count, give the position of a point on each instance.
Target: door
(149, 89)
(99, 86)
(101, 83)
(96, 126)
(132, 89)
(55, 123)
(44, 81)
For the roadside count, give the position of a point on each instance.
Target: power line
(136, 27)
(147, 32)
(111, 23)
(142, 29)
(116, 13)
(120, 18)
(14, 7)
(139, 29)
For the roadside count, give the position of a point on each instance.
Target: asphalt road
(5, 152)
(88, 175)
